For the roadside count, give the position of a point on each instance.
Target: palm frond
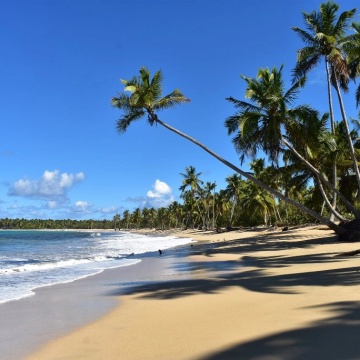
(243, 105)
(156, 84)
(232, 123)
(294, 90)
(343, 21)
(305, 65)
(145, 76)
(123, 123)
(122, 102)
(170, 100)
(306, 37)
(327, 15)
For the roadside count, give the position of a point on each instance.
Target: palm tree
(208, 201)
(126, 218)
(233, 190)
(268, 124)
(152, 214)
(145, 99)
(324, 36)
(116, 220)
(191, 180)
(162, 216)
(136, 217)
(257, 202)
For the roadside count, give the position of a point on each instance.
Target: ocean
(33, 259)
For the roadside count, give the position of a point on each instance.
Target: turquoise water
(32, 259)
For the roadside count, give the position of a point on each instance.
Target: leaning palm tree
(323, 38)
(146, 99)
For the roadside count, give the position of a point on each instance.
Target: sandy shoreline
(247, 295)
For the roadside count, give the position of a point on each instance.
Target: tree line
(203, 206)
(241, 204)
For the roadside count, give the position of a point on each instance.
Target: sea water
(32, 259)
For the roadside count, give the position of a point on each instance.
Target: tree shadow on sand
(271, 242)
(334, 338)
(253, 280)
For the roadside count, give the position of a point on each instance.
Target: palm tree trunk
(232, 212)
(332, 210)
(347, 203)
(337, 229)
(352, 151)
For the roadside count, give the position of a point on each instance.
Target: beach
(243, 294)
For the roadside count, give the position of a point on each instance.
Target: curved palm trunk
(347, 203)
(337, 229)
(326, 200)
(352, 151)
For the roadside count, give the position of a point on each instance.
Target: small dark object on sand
(285, 228)
(160, 252)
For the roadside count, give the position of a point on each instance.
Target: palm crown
(145, 99)
(262, 123)
(323, 39)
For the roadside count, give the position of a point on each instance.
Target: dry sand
(246, 295)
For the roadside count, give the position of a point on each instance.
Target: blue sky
(62, 61)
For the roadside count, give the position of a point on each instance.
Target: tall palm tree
(324, 36)
(116, 220)
(260, 124)
(145, 99)
(208, 200)
(267, 122)
(136, 217)
(191, 180)
(189, 207)
(126, 218)
(233, 190)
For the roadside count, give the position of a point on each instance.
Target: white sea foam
(30, 260)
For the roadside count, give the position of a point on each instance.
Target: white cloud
(160, 196)
(160, 189)
(82, 206)
(52, 204)
(110, 210)
(51, 186)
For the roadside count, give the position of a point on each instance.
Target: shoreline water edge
(245, 294)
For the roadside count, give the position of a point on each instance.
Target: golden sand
(258, 294)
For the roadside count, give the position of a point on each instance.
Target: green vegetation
(41, 224)
(240, 204)
(269, 123)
